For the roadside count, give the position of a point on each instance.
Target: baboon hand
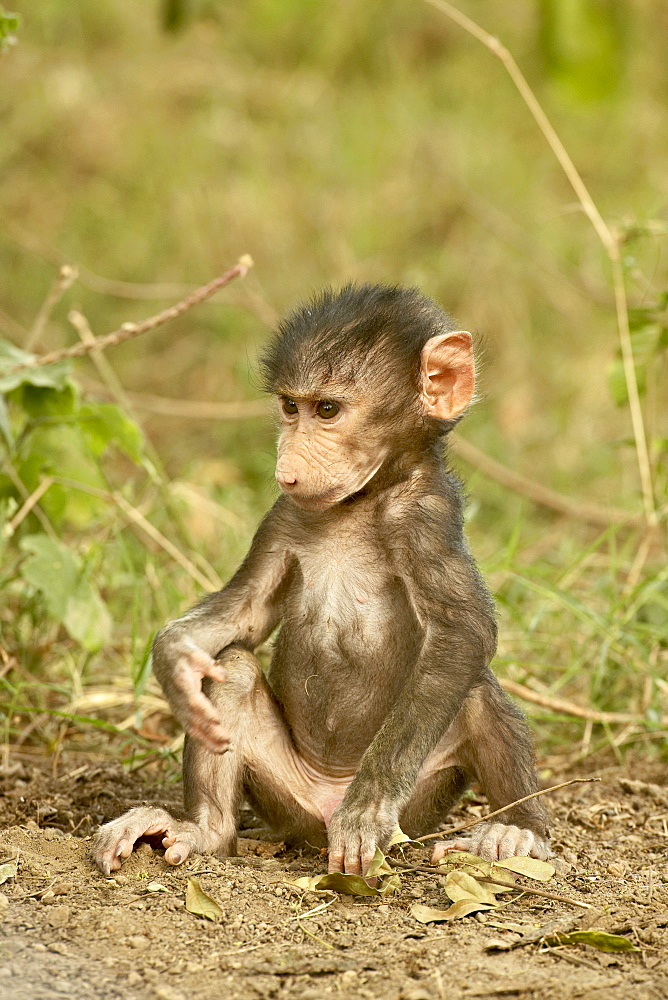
(355, 832)
(496, 842)
(116, 840)
(191, 706)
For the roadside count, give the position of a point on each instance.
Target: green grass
(366, 141)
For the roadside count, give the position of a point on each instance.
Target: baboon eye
(326, 409)
(289, 405)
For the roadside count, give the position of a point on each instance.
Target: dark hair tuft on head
(338, 332)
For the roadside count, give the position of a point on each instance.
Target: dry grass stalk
(128, 331)
(611, 240)
(483, 819)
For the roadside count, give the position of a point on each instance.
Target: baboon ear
(448, 375)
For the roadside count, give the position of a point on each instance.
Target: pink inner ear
(448, 374)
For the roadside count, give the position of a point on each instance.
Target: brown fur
(379, 706)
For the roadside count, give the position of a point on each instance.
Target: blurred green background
(152, 144)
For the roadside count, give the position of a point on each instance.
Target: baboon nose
(286, 479)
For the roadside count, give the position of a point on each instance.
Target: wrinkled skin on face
(335, 435)
(322, 455)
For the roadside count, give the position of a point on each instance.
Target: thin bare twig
(583, 510)
(496, 812)
(135, 517)
(611, 239)
(128, 331)
(564, 707)
(66, 277)
(22, 489)
(190, 409)
(491, 880)
(28, 505)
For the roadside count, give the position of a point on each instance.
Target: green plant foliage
(357, 141)
(9, 23)
(52, 376)
(582, 44)
(51, 431)
(55, 571)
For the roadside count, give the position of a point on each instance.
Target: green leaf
(595, 939)
(5, 426)
(52, 569)
(104, 424)
(70, 598)
(9, 23)
(54, 376)
(541, 871)
(462, 908)
(45, 401)
(86, 617)
(62, 451)
(200, 903)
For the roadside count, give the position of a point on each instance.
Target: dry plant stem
(107, 373)
(26, 507)
(564, 707)
(497, 812)
(582, 510)
(533, 892)
(117, 391)
(133, 515)
(573, 960)
(424, 870)
(39, 513)
(128, 331)
(199, 410)
(610, 239)
(66, 277)
(137, 518)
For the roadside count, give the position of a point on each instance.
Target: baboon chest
(347, 597)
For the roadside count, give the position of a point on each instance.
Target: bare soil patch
(67, 931)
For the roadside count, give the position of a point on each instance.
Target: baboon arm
(244, 612)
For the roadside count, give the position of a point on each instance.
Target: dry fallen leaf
(7, 871)
(200, 903)
(379, 865)
(465, 862)
(595, 939)
(541, 871)
(460, 886)
(348, 885)
(400, 839)
(462, 908)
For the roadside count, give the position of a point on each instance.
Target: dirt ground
(67, 931)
